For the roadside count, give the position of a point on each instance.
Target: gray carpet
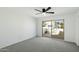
(42, 44)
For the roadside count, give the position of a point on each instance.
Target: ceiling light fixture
(44, 14)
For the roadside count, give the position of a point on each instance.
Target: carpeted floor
(42, 44)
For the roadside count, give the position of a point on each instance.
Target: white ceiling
(31, 12)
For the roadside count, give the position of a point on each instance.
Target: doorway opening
(53, 28)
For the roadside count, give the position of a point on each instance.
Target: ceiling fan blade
(38, 13)
(50, 12)
(38, 10)
(48, 8)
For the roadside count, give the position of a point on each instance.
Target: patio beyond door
(53, 28)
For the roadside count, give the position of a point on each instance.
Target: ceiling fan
(44, 11)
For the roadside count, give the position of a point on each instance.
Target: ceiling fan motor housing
(43, 10)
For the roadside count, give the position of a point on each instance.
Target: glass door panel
(58, 29)
(46, 25)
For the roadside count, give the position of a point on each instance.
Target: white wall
(15, 27)
(69, 24)
(77, 28)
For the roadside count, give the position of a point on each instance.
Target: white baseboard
(77, 44)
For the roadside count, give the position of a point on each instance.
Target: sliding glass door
(53, 28)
